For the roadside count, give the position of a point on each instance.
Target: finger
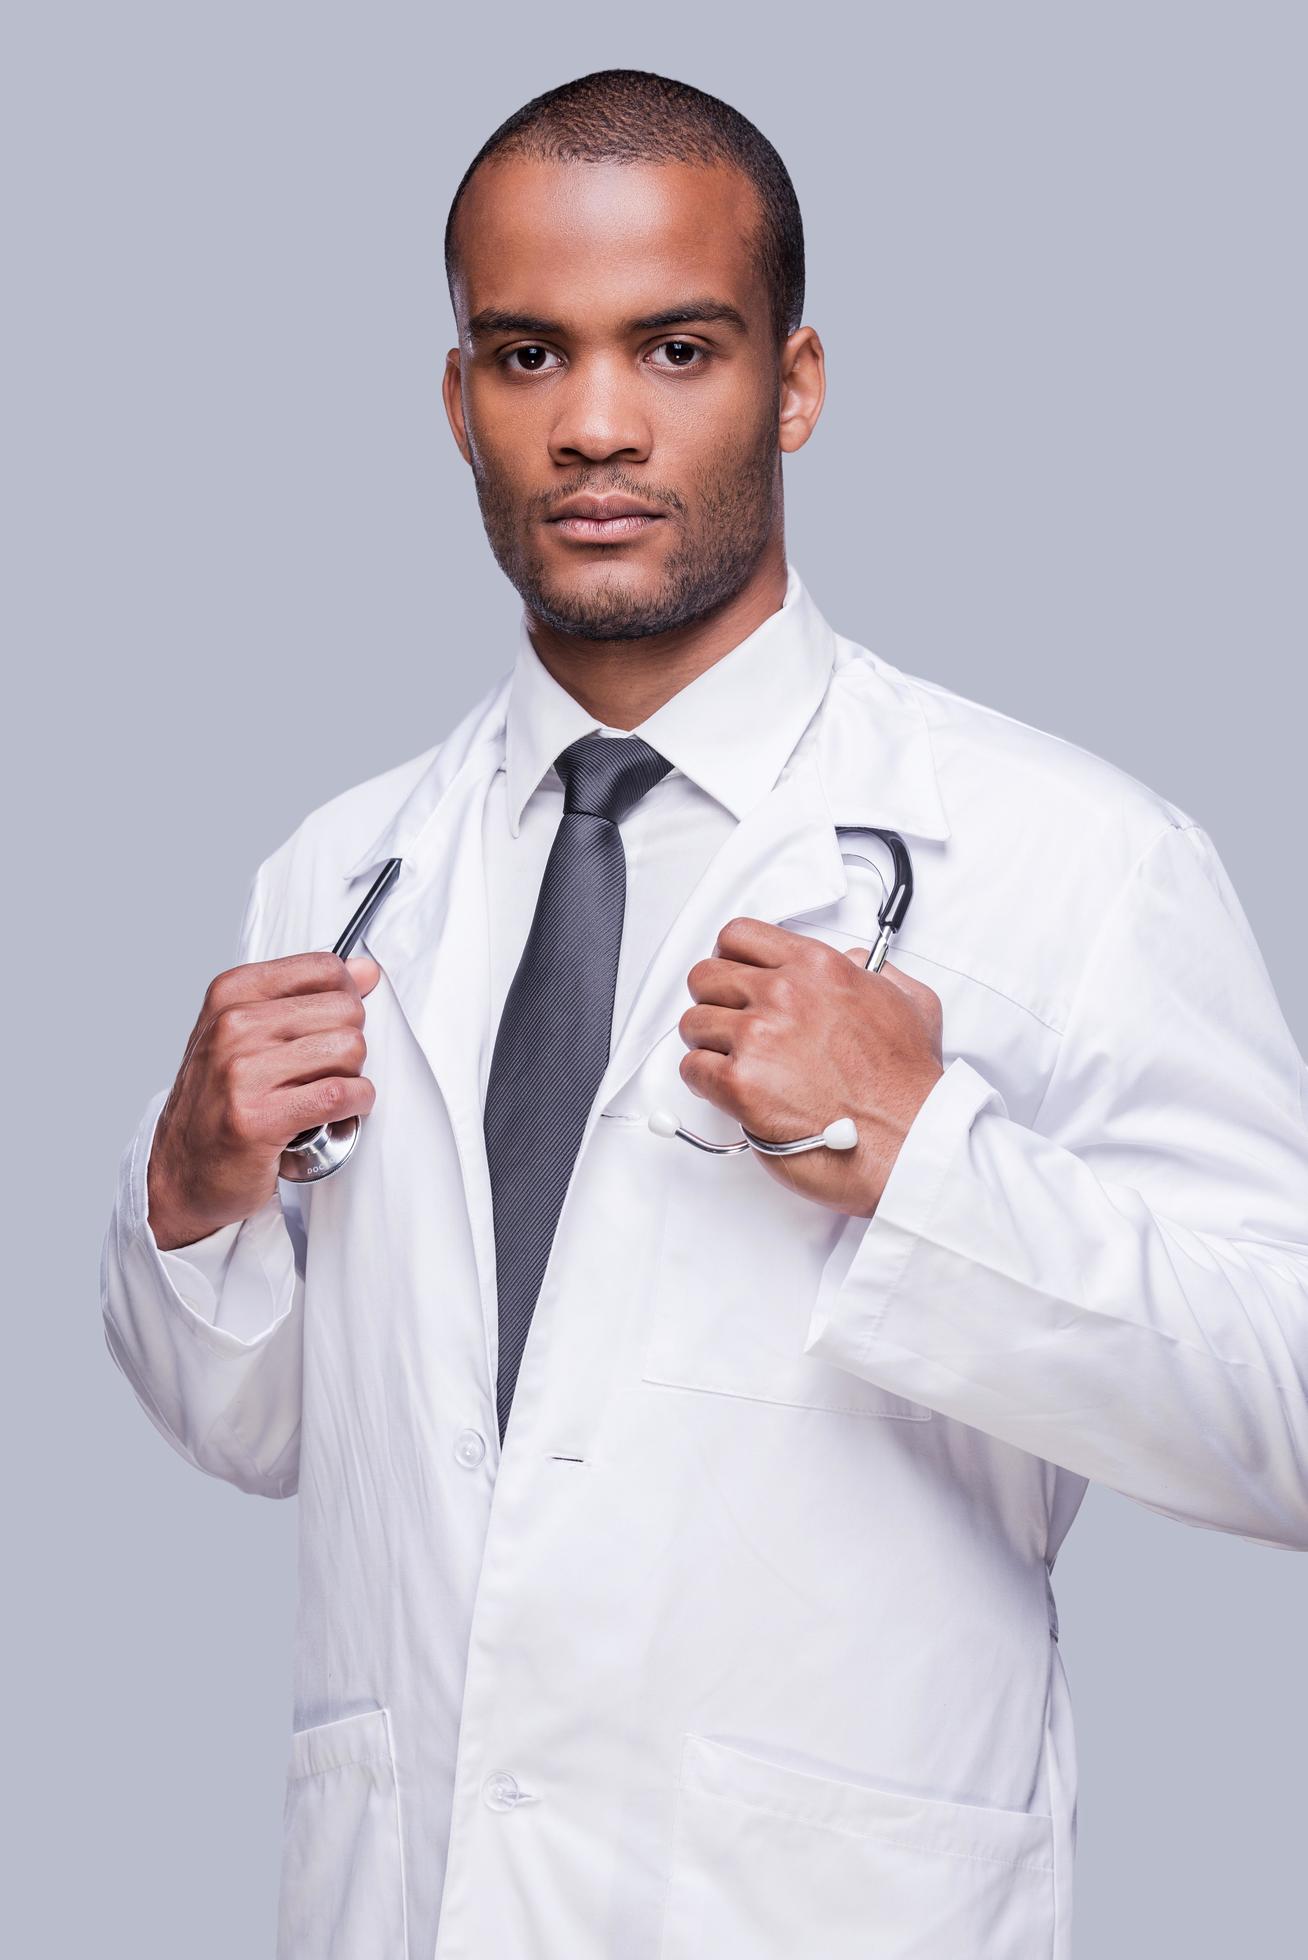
(305, 1105)
(712, 1027)
(254, 1024)
(365, 971)
(905, 981)
(706, 1074)
(333, 1051)
(760, 944)
(726, 983)
(339, 1051)
(298, 973)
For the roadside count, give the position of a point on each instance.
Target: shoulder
(1045, 835)
(1008, 779)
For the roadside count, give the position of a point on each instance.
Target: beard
(725, 531)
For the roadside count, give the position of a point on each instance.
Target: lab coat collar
(730, 730)
(852, 717)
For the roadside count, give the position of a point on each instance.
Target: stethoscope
(842, 1132)
(315, 1154)
(318, 1153)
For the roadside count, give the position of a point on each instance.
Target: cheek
(718, 419)
(507, 432)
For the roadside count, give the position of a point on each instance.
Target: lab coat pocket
(342, 1875)
(769, 1862)
(737, 1272)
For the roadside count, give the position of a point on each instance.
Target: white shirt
(727, 734)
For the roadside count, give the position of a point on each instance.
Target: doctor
(676, 1530)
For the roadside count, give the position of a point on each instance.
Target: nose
(601, 417)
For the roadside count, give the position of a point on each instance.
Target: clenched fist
(786, 1033)
(277, 1049)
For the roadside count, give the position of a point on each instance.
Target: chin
(604, 602)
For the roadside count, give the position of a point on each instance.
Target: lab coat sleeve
(209, 1335)
(1122, 1287)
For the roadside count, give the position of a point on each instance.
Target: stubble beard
(735, 509)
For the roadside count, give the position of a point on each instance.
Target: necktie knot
(606, 775)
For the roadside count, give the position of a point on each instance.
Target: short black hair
(628, 115)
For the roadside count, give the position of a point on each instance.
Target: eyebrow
(709, 312)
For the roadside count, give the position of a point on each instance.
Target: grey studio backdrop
(1060, 470)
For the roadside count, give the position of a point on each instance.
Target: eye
(680, 353)
(529, 360)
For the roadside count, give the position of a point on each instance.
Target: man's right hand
(277, 1049)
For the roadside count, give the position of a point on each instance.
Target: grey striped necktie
(552, 1044)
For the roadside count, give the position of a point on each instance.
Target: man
(677, 1528)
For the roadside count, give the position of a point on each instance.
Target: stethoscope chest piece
(321, 1152)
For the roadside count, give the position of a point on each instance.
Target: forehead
(605, 239)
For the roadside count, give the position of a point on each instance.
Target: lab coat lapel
(866, 760)
(431, 940)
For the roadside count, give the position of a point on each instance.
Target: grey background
(1060, 470)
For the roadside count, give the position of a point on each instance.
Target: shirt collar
(731, 730)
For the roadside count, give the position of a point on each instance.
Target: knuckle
(744, 1073)
(783, 992)
(241, 1121)
(328, 1094)
(218, 990)
(753, 1035)
(237, 1073)
(235, 1023)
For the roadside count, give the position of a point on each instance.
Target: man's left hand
(787, 1033)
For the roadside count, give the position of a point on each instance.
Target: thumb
(365, 971)
(904, 981)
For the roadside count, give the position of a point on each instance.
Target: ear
(452, 394)
(803, 387)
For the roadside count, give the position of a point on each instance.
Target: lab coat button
(469, 1448)
(500, 1790)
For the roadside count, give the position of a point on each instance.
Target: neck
(622, 682)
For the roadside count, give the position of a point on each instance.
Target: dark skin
(615, 337)
(647, 368)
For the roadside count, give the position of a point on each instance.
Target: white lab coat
(746, 1648)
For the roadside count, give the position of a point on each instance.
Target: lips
(604, 520)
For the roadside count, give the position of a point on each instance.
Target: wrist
(173, 1227)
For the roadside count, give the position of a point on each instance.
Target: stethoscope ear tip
(663, 1123)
